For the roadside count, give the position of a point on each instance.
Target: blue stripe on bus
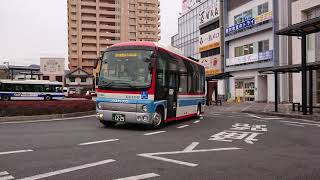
(190, 102)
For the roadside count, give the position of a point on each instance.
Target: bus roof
(165, 47)
(6, 81)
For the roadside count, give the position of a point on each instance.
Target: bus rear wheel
(47, 98)
(108, 123)
(5, 98)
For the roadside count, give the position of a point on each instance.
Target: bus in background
(30, 90)
(147, 83)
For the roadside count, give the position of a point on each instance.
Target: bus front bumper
(129, 117)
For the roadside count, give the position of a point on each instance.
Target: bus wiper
(104, 84)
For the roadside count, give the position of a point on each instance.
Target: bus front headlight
(144, 108)
(99, 105)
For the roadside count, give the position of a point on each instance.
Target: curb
(296, 116)
(46, 117)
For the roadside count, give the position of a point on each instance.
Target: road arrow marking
(63, 171)
(188, 149)
(15, 152)
(261, 118)
(143, 176)
(98, 142)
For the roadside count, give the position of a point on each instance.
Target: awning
(219, 76)
(304, 28)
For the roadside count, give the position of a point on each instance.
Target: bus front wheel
(157, 119)
(5, 98)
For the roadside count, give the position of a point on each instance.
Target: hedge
(31, 108)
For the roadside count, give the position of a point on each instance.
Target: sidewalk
(285, 110)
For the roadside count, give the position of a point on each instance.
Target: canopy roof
(302, 28)
(295, 68)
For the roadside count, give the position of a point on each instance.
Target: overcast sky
(30, 29)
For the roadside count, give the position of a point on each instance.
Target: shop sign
(263, 17)
(188, 5)
(209, 14)
(248, 23)
(241, 26)
(209, 40)
(266, 55)
(250, 58)
(212, 65)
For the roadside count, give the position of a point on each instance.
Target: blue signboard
(241, 26)
(144, 95)
(267, 55)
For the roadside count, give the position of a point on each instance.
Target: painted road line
(293, 122)
(142, 176)
(98, 142)
(48, 120)
(6, 177)
(271, 118)
(197, 121)
(180, 127)
(152, 133)
(63, 171)
(297, 125)
(4, 173)
(191, 147)
(304, 120)
(15, 152)
(188, 149)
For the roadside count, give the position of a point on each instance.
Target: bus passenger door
(172, 94)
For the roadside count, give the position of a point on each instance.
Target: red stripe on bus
(180, 117)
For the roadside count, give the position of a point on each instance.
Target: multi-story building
(199, 37)
(250, 45)
(94, 25)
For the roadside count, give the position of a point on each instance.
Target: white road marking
(197, 121)
(308, 121)
(271, 118)
(63, 171)
(4, 173)
(188, 149)
(152, 133)
(191, 146)
(48, 120)
(293, 122)
(180, 127)
(6, 177)
(15, 152)
(143, 176)
(295, 125)
(98, 142)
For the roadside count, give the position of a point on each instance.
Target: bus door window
(162, 76)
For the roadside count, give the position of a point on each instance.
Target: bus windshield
(126, 69)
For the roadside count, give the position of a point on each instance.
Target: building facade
(250, 45)
(94, 25)
(79, 80)
(52, 69)
(200, 36)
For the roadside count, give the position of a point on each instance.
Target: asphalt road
(220, 146)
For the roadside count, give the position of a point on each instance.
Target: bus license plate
(118, 117)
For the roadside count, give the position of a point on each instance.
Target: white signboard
(188, 5)
(209, 40)
(52, 65)
(210, 13)
(212, 64)
(242, 59)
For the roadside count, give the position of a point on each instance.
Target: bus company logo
(17, 94)
(119, 101)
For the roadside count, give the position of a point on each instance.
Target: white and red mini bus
(147, 83)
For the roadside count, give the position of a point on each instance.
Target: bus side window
(161, 76)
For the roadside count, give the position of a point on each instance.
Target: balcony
(89, 56)
(153, 22)
(89, 41)
(89, 26)
(89, 11)
(109, 35)
(88, 3)
(109, 20)
(89, 33)
(89, 18)
(103, 4)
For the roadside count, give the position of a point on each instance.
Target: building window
(83, 79)
(243, 50)
(263, 8)
(72, 79)
(247, 15)
(45, 77)
(263, 46)
(59, 78)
